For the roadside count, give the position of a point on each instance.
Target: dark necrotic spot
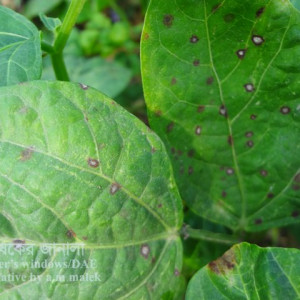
(173, 81)
(198, 130)
(216, 7)
(260, 12)
(229, 171)
(153, 150)
(297, 178)
(94, 163)
(194, 39)
(285, 110)
(159, 205)
(296, 187)
(229, 18)
(153, 260)
(145, 36)
(249, 87)
(191, 153)
(196, 62)
(249, 134)
(253, 117)
(85, 238)
(264, 173)
(270, 195)
(230, 140)
(295, 214)
(224, 194)
(223, 111)
(114, 188)
(173, 150)
(179, 152)
(250, 144)
(83, 86)
(168, 20)
(200, 108)
(241, 53)
(145, 250)
(26, 154)
(190, 170)
(258, 221)
(176, 273)
(257, 40)
(71, 234)
(170, 127)
(209, 80)
(223, 264)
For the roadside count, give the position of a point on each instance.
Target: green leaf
(109, 77)
(75, 167)
(221, 82)
(51, 24)
(35, 7)
(20, 50)
(249, 272)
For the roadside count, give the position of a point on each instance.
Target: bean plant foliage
(92, 200)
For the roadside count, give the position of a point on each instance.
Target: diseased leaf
(20, 50)
(221, 82)
(109, 77)
(249, 272)
(77, 168)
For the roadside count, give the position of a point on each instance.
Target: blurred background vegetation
(104, 52)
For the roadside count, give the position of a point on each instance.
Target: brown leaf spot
(249, 134)
(85, 238)
(223, 111)
(173, 81)
(194, 39)
(168, 20)
(258, 221)
(296, 187)
(264, 173)
(250, 144)
(157, 113)
(223, 264)
(260, 12)
(241, 53)
(295, 214)
(200, 108)
(230, 140)
(216, 7)
(83, 86)
(176, 273)
(170, 127)
(153, 260)
(249, 87)
(71, 234)
(94, 163)
(181, 170)
(190, 170)
(224, 194)
(257, 40)
(253, 117)
(114, 188)
(153, 150)
(270, 195)
(297, 178)
(26, 154)
(179, 152)
(229, 18)
(173, 150)
(198, 130)
(145, 250)
(209, 80)
(145, 36)
(159, 205)
(196, 62)
(191, 153)
(229, 171)
(285, 110)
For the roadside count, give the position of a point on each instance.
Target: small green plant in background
(95, 205)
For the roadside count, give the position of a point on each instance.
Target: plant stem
(209, 236)
(67, 25)
(47, 47)
(59, 67)
(57, 59)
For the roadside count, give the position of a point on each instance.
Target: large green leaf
(249, 272)
(20, 50)
(221, 82)
(77, 168)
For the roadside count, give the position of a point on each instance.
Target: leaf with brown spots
(238, 107)
(248, 272)
(99, 192)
